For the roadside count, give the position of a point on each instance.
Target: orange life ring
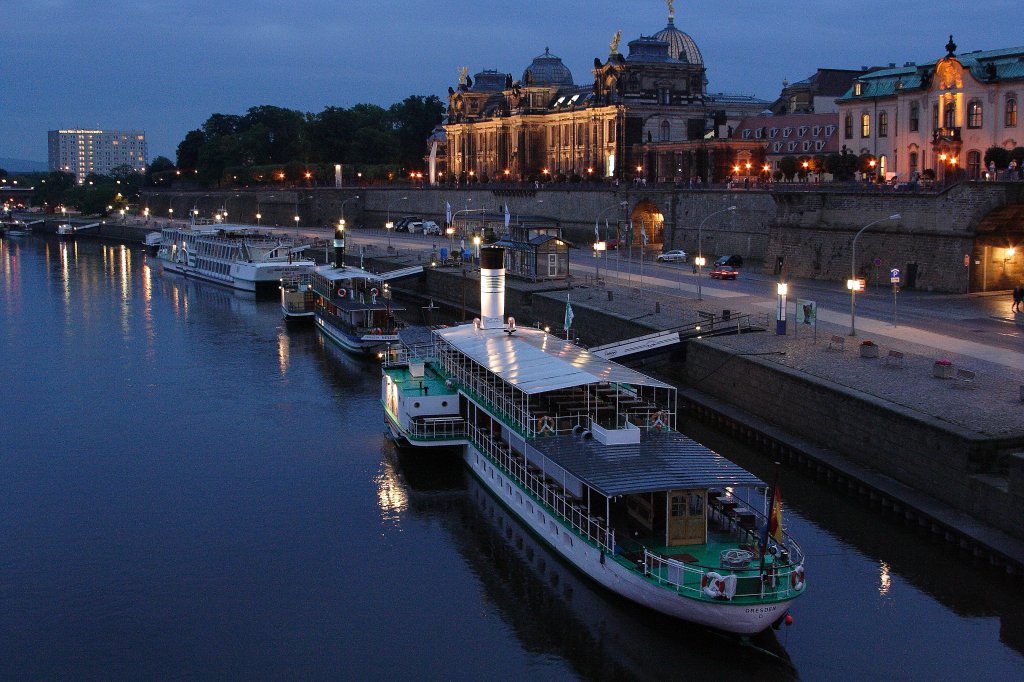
(377, 331)
(373, 291)
(658, 420)
(341, 293)
(546, 424)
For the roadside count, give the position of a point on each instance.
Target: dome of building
(488, 80)
(680, 45)
(547, 69)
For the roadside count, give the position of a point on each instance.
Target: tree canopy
(256, 146)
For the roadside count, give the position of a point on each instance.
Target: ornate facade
(544, 125)
(940, 116)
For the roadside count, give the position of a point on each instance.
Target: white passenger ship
(239, 256)
(585, 452)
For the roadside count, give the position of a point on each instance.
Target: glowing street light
(853, 284)
(699, 260)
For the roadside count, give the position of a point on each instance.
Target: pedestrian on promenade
(1018, 298)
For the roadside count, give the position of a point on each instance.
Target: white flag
(448, 213)
(568, 314)
(643, 234)
(508, 216)
(597, 233)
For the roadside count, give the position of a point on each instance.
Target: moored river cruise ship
(585, 452)
(239, 256)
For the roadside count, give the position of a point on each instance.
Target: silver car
(675, 256)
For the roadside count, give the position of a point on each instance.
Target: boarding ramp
(664, 341)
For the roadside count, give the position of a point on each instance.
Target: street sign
(894, 276)
(878, 262)
(967, 260)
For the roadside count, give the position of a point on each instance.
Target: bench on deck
(837, 343)
(965, 378)
(894, 359)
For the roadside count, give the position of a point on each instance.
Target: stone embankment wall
(811, 230)
(934, 457)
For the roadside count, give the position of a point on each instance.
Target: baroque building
(937, 117)
(544, 125)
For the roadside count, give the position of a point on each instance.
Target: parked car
(430, 227)
(674, 256)
(402, 224)
(734, 260)
(414, 226)
(723, 272)
(612, 243)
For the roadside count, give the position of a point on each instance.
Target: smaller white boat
(298, 300)
(66, 230)
(152, 242)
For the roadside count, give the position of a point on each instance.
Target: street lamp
(355, 198)
(699, 260)
(780, 325)
(259, 216)
(388, 225)
(853, 284)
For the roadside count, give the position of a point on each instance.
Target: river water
(190, 489)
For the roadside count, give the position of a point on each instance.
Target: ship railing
(400, 354)
(776, 581)
(572, 510)
(437, 428)
(297, 280)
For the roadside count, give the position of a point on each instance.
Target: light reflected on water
(884, 579)
(282, 351)
(391, 495)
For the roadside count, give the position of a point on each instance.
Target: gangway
(664, 341)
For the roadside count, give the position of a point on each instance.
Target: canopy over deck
(661, 461)
(534, 361)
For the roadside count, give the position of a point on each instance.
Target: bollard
(609, 294)
(657, 306)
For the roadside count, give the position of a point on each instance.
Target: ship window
(519, 498)
(529, 507)
(444, 403)
(415, 404)
(678, 505)
(554, 528)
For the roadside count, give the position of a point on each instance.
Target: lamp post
(853, 284)
(699, 260)
(388, 224)
(780, 324)
(600, 245)
(355, 198)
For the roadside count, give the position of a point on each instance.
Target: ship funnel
(492, 288)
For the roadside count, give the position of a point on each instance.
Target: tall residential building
(95, 151)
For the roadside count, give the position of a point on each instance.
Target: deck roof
(661, 461)
(536, 362)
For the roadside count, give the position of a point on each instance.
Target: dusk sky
(164, 67)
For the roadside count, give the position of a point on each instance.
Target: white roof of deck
(536, 362)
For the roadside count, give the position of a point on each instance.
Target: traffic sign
(894, 275)
(967, 260)
(878, 262)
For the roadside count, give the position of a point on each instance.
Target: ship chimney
(492, 288)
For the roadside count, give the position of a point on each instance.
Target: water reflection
(553, 609)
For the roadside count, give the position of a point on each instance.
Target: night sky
(164, 67)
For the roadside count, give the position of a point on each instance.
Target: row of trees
(269, 144)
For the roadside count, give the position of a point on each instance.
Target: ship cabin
(355, 299)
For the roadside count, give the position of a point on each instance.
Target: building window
(949, 115)
(865, 124)
(915, 118)
(883, 124)
(913, 162)
(857, 88)
(974, 114)
(974, 165)
(935, 116)
(666, 130)
(1011, 112)
(848, 127)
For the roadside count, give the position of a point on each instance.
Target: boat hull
(742, 619)
(266, 286)
(362, 345)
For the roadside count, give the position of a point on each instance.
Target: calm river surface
(190, 489)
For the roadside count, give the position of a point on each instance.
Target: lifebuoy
(373, 291)
(713, 585)
(377, 331)
(546, 424)
(796, 578)
(658, 420)
(341, 293)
